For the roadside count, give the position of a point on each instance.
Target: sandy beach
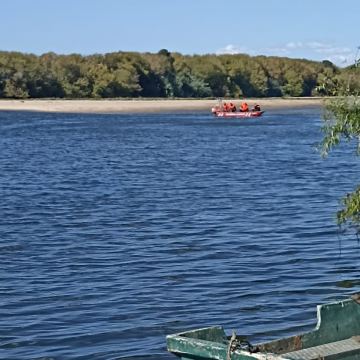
(144, 106)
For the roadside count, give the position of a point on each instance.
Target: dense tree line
(165, 74)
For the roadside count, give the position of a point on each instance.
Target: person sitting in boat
(225, 107)
(216, 108)
(244, 107)
(256, 108)
(232, 107)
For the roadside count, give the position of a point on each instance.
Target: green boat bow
(336, 336)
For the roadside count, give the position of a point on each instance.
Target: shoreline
(109, 106)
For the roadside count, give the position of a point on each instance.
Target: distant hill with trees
(165, 75)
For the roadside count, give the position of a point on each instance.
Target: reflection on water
(117, 230)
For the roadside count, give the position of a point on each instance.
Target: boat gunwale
(330, 320)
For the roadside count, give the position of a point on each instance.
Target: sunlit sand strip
(144, 106)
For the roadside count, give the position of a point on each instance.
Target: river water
(117, 230)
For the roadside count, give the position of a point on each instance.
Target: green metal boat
(336, 336)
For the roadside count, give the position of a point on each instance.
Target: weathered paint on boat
(335, 337)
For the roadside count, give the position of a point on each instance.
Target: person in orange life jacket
(232, 107)
(256, 108)
(225, 107)
(244, 107)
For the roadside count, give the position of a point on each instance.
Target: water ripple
(117, 230)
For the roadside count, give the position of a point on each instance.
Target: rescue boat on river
(224, 110)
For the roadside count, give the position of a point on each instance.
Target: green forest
(165, 75)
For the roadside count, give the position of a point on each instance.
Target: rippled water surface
(117, 230)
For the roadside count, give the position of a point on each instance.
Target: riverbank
(142, 105)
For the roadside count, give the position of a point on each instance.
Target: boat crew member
(225, 107)
(232, 107)
(244, 107)
(256, 108)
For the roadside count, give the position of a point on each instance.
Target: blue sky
(312, 29)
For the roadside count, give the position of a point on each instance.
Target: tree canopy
(342, 123)
(164, 74)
